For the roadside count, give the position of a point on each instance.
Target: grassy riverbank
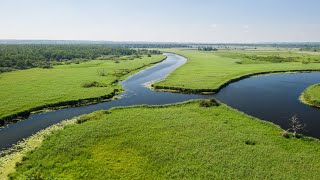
(311, 96)
(176, 141)
(209, 71)
(10, 157)
(25, 90)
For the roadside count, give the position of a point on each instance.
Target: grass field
(210, 70)
(183, 141)
(26, 89)
(311, 96)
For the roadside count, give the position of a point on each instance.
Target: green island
(69, 80)
(311, 96)
(209, 71)
(185, 140)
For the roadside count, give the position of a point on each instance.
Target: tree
(26, 56)
(295, 125)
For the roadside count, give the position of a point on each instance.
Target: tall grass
(184, 141)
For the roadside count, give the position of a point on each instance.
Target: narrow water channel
(272, 97)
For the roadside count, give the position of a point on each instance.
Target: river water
(273, 98)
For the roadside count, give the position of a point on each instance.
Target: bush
(102, 72)
(92, 84)
(47, 66)
(286, 134)
(209, 103)
(6, 69)
(299, 136)
(250, 142)
(93, 116)
(305, 61)
(82, 119)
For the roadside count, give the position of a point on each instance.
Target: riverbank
(11, 157)
(36, 93)
(209, 72)
(171, 141)
(311, 96)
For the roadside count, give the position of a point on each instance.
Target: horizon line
(162, 42)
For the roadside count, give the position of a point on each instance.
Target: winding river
(273, 98)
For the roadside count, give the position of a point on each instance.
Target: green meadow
(210, 70)
(182, 141)
(311, 95)
(23, 90)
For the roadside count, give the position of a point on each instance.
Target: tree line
(13, 57)
(207, 48)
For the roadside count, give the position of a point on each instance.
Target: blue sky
(162, 20)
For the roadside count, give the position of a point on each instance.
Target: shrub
(82, 119)
(24, 158)
(250, 142)
(6, 69)
(91, 84)
(299, 136)
(286, 134)
(305, 61)
(209, 103)
(47, 66)
(102, 72)
(93, 116)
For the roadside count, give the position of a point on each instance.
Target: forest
(14, 57)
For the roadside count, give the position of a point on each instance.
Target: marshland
(167, 90)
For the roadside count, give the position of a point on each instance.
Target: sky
(205, 21)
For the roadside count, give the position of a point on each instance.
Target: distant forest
(104, 43)
(207, 48)
(13, 57)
